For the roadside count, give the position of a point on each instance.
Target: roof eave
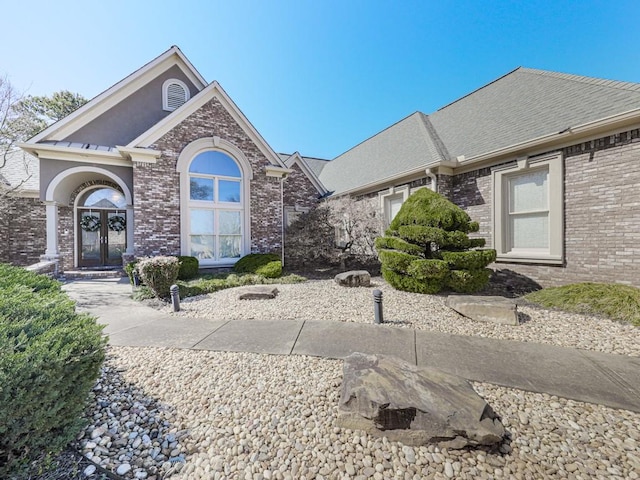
(56, 152)
(553, 140)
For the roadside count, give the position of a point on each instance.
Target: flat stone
(123, 469)
(259, 292)
(485, 309)
(353, 278)
(386, 396)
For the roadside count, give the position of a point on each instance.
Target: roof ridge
(603, 82)
(480, 88)
(441, 148)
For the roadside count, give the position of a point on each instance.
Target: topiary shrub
(426, 248)
(261, 263)
(189, 267)
(159, 273)
(50, 359)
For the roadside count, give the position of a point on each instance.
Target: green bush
(469, 260)
(426, 247)
(51, 358)
(253, 262)
(210, 284)
(189, 267)
(468, 281)
(159, 273)
(271, 269)
(395, 243)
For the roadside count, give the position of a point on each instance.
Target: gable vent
(174, 94)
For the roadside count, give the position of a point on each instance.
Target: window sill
(220, 263)
(531, 259)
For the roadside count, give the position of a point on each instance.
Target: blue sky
(319, 76)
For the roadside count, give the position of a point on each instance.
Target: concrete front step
(91, 274)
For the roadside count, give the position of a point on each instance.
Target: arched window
(216, 210)
(103, 198)
(174, 94)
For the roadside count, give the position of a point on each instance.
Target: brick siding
(23, 231)
(157, 186)
(601, 212)
(298, 189)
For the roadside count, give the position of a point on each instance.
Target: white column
(130, 226)
(52, 230)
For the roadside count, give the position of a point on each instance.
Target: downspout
(434, 179)
(282, 179)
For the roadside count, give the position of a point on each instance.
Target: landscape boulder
(485, 309)
(353, 278)
(260, 292)
(386, 396)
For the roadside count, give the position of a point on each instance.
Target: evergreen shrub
(50, 360)
(265, 264)
(159, 273)
(189, 267)
(427, 248)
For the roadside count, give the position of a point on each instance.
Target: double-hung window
(528, 211)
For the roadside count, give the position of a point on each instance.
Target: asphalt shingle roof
(402, 147)
(21, 169)
(523, 105)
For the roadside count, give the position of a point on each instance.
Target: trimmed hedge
(159, 273)
(51, 358)
(261, 263)
(189, 267)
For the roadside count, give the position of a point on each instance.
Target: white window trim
(182, 167)
(385, 201)
(555, 253)
(165, 93)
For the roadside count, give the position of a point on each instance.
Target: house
(164, 163)
(161, 163)
(547, 163)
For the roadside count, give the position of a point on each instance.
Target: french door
(102, 237)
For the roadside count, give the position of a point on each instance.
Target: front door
(102, 237)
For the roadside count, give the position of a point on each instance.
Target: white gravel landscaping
(240, 415)
(325, 300)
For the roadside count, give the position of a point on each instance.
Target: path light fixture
(175, 297)
(377, 306)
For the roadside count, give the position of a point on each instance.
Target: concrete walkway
(612, 380)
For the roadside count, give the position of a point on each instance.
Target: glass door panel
(90, 238)
(116, 238)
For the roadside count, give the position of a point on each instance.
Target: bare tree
(358, 222)
(10, 135)
(22, 117)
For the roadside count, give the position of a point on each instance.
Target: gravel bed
(325, 300)
(250, 416)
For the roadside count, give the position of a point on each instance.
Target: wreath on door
(90, 223)
(117, 223)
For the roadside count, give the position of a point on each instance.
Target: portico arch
(63, 189)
